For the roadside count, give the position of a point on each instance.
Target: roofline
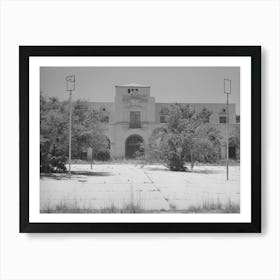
(131, 86)
(190, 103)
(168, 103)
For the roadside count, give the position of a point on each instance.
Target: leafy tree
(87, 129)
(54, 121)
(206, 148)
(54, 129)
(185, 137)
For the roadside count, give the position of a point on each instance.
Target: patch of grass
(207, 207)
(215, 207)
(132, 208)
(231, 207)
(74, 208)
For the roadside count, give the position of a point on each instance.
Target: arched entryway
(134, 146)
(233, 148)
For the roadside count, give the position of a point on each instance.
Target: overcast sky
(168, 84)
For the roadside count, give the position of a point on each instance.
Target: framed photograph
(140, 138)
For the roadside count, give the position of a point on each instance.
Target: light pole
(70, 86)
(227, 91)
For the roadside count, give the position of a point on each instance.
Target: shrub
(185, 137)
(103, 155)
(52, 159)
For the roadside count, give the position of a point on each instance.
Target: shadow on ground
(75, 174)
(206, 171)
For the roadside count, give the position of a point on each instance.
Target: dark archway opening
(232, 152)
(134, 146)
(234, 148)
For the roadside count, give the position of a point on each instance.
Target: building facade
(134, 114)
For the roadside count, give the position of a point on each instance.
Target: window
(163, 119)
(237, 119)
(223, 119)
(104, 115)
(164, 115)
(135, 119)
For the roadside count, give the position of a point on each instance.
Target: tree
(207, 147)
(185, 137)
(54, 129)
(87, 129)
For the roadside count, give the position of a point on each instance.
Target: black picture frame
(25, 52)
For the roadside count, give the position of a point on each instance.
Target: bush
(52, 159)
(103, 156)
(185, 137)
(206, 151)
(54, 127)
(172, 152)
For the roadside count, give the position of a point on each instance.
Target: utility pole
(227, 91)
(70, 87)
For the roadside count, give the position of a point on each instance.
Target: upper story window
(237, 119)
(164, 115)
(223, 119)
(163, 118)
(104, 115)
(130, 90)
(135, 119)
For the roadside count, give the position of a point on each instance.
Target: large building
(134, 114)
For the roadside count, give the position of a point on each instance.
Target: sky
(168, 84)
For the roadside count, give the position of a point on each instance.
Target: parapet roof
(133, 85)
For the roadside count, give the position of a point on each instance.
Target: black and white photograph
(140, 140)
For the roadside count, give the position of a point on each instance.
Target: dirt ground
(140, 188)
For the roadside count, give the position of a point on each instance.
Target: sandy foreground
(149, 187)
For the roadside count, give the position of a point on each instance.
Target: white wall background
(139, 256)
